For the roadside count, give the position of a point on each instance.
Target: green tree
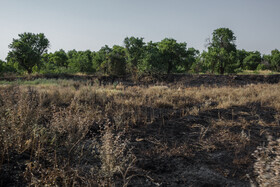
(56, 62)
(46, 65)
(252, 61)
(275, 60)
(81, 61)
(2, 66)
(59, 58)
(267, 58)
(28, 50)
(172, 54)
(6, 67)
(100, 59)
(116, 61)
(200, 64)
(134, 48)
(221, 51)
(151, 61)
(192, 56)
(71, 54)
(240, 56)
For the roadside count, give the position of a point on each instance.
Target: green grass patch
(36, 82)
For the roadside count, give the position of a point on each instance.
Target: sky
(91, 24)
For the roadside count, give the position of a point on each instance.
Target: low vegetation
(81, 133)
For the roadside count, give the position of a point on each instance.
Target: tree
(167, 56)
(100, 59)
(151, 61)
(81, 61)
(28, 50)
(111, 61)
(275, 60)
(134, 48)
(71, 54)
(6, 67)
(2, 66)
(173, 54)
(116, 61)
(192, 56)
(240, 56)
(252, 60)
(59, 58)
(222, 50)
(200, 64)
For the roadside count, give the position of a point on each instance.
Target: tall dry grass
(79, 136)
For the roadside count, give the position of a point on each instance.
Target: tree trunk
(222, 69)
(29, 71)
(169, 68)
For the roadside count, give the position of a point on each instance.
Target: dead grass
(81, 135)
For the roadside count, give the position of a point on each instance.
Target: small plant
(115, 84)
(116, 157)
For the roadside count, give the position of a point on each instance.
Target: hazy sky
(90, 24)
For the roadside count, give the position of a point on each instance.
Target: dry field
(75, 134)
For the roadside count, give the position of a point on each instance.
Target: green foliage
(151, 61)
(70, 62)
(261, 67)
(134, 48)
(28, 50)
(241, 55)
(223, 38)
(167, 56)
(81, 61)
(11, 67)
(54, 63)
(200, 64)
(173, 54)
(6, 67)
(221, 54)
(59, 58)
(116, 62)
(2, 66)
(219, 60)
(29, 53)
(275, 59)
(267, 59)
(192, 56)
(100, 59)
(110, 61)
(252, 61)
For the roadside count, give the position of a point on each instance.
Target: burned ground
(148, 80)
(194, 130)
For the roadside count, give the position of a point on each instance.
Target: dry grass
(267, 166)
(81, 135)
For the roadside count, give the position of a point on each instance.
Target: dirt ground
(221, 165)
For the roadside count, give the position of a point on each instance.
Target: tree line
(29, 54)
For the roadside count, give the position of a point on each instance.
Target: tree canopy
(136, 57)
(221, 51)
(275, 59)
(134, 48)
(252, 60)
(28, 49)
